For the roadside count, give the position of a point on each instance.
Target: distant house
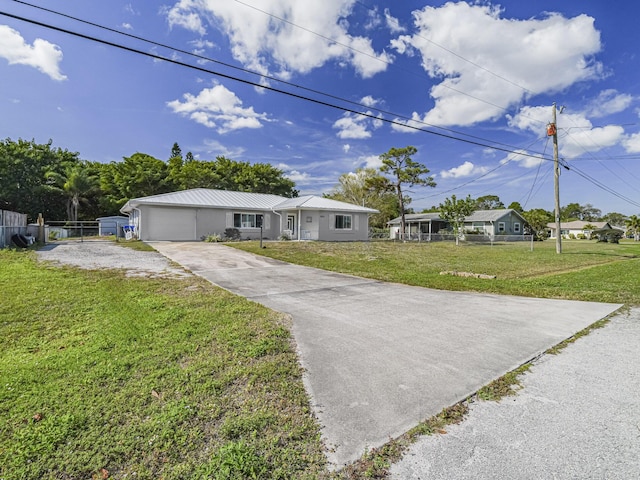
(577, 227)
(424, 224)
(495, 222)
(193, 214)
(486, 222)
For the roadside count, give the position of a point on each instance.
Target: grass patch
(584, 271)
(104, 375)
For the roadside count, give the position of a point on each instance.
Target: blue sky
(481, 71)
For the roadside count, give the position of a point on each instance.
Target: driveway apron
(381, 357)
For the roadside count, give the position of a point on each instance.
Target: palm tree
(633, 226)
(588, 230)
(75, 183)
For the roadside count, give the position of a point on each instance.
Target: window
(501, 227)
(247, 220)
(516, 227)
(343, 222)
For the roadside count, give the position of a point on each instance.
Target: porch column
(299, 223)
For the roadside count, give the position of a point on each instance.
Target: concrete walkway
(381, 357)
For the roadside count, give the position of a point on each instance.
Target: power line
(461, 92)
(266, 87)
(304, 98)
(261, 75)
(457, 55)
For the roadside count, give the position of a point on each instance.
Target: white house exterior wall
(359, 227)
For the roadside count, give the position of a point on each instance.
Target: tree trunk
(402, 219)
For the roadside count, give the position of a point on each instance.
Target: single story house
(577, 227)
(194, 214)
(505, 221)
(488, 222)
(423, 224)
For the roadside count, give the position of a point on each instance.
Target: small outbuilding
(112, 225)
(193, 214)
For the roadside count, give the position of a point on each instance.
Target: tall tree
(516, 206)
(614, 218)
(575, 211)
(404, 171)
(537, 220)
(139, 175)
(368, 188)
(454, 211)
(23, 186)
(75, 184)
(489, 202)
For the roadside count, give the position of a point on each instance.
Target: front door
(291, 225)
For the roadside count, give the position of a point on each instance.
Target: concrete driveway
(380, 357)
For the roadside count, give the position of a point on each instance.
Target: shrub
(232, 234)
(212, 238)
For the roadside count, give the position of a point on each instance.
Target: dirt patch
(94, 255)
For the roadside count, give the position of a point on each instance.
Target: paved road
(577, 417)
(381, 357)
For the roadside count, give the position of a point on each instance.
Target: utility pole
(552, 129)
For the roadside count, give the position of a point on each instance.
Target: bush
(232, 234)
(284, 237)
(212, 238)
(581, 236)
(572, 236)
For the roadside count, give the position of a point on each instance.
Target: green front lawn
(585, 270)
(103, 376)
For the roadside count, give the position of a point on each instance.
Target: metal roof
(418, 217)
(490, 215)
(207, 198)
(477, 216)
(578, 225)
(204, 197)
(313, 202)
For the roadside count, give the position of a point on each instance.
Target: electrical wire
(260, 75)
(457, 55)
(266, 87)
(461, 92)
(309, 99)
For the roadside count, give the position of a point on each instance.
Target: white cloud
(42, 55)
(346, 147)
(576, 134)
(298, 177)
(402, 125)
(632, 143)
(609, 102)
(130, 10)
(369, 101)
(215, 148)
(182, 15)
(356, 126)
(265, 43)
(218, 107)
(392, 23)
(465, 170)
(127, 26)
(522, 158)
(558, 53)
(371, 161)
